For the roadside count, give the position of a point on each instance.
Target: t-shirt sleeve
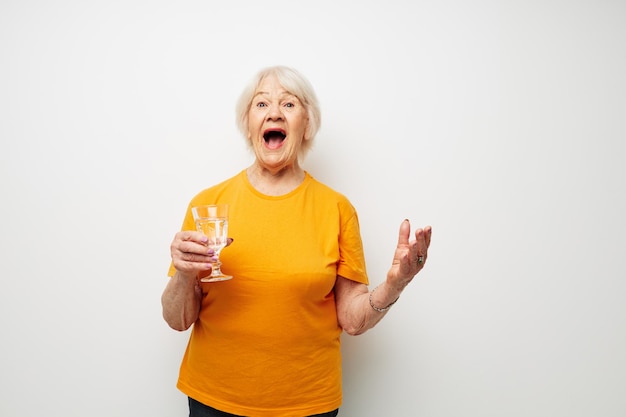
(351, 256)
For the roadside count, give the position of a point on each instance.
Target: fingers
(410, 256)
(419, 247)
(191, 236)
(427, 232)
(190, 252)
(422, 235)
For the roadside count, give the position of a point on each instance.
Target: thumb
(403, 234)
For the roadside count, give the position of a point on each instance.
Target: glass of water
(212, 221)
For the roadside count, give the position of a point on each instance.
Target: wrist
(395, 284)
(186, 278)
(379, 304)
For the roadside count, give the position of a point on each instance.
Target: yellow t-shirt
(267, 342)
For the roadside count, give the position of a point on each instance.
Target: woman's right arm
(181, 299)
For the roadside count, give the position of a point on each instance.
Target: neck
(275, 183)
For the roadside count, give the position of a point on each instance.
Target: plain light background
(500, 123)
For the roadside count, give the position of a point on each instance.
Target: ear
(306, 130)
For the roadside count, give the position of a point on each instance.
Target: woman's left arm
(358, 309)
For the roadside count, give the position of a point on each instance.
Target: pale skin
(276, 171)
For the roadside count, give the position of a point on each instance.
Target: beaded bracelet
(381, 310)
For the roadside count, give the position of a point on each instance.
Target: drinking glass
(212, 221)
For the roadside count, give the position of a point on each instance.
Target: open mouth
(274, 138)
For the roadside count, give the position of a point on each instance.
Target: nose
(274, 113)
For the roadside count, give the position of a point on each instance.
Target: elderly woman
(267, 342)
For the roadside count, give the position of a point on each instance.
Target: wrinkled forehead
(275, 82)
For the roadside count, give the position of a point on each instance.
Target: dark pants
(197, 409)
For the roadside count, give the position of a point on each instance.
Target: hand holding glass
(212, 221)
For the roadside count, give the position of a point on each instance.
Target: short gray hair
(296, 84)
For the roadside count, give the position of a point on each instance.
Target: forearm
(181, 301)
(360, 312)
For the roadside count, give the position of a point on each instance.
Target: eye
(260, 104)
(290, 105)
